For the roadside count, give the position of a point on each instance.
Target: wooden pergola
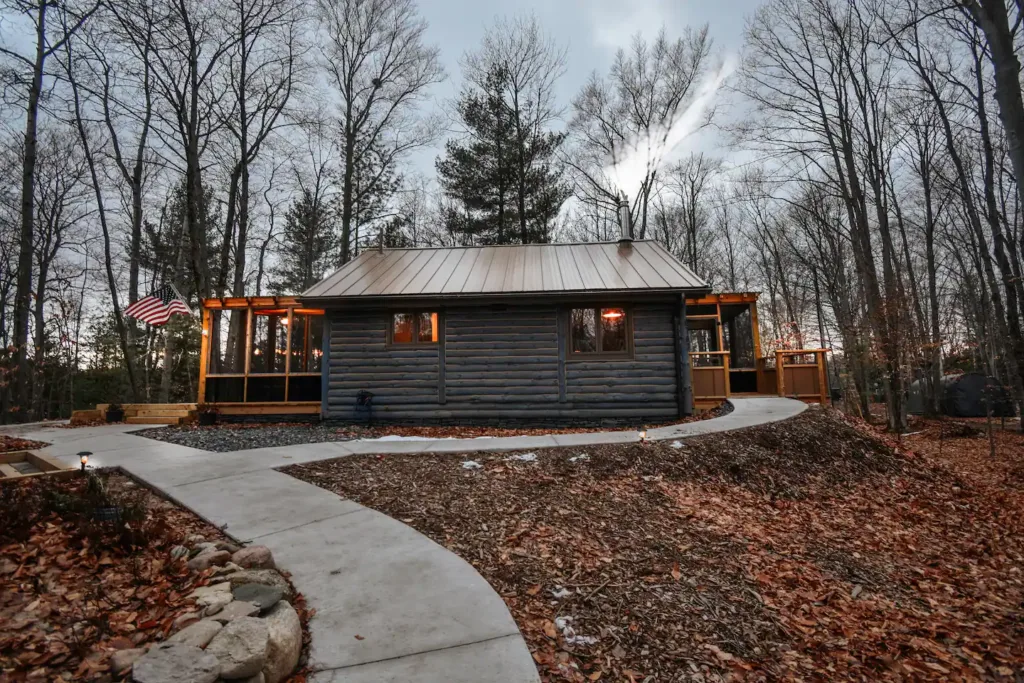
(261, 355)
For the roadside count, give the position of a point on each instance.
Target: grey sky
(592, 29)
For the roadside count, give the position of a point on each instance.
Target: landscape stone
(208, 558)
(122, 660)
(175, 663)
(198, 634)
(254, 557)
(236, 609)
(216, 603)
(204, 591)
(178, 552)
(186, 619)
(240, 647)
(264, 597)
(204, 546)
(195, 539)
(284, 642)
(266, 577)
(230, 547)
(258, 678)
(228, 568)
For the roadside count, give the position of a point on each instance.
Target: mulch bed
(813, 548)
(74, 589)
(10, 444)
(241, 436)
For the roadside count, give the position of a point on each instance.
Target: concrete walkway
(391, 605)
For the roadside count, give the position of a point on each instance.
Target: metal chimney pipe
(625, 223)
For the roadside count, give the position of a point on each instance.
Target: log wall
(500, 364)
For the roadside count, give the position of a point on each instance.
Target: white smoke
(664, 144)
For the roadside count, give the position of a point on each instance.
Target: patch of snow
(471, 465)
(564, 624)
(676, 444)
(582, 457)
(561, 592)
(523, 457)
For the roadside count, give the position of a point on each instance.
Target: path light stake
(643, 435)
(83, 457)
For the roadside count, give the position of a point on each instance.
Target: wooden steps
(156, 420)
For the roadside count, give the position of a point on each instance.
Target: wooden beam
(780, 382)
(325, 365)
(562, 323)
(684, 373)
(204, 354)
(442, 397)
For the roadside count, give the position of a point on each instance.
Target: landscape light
(643, 435)
(83, 457)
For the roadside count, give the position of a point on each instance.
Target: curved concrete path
(391, 605)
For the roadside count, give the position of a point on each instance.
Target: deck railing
(796, 373)
(710, 372)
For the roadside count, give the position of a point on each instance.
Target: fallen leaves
(812, 548)
(9, 444)
(66, 603)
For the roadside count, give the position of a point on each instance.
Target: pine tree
(308, 245)
(479, 173)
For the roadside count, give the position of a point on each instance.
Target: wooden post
(562, 323)
(684, 373)
(325, 361)
(822, 377)
(780, 382)
(288, 351)
(725, 368)
(442, 320)
(249, 324)
(204, 354)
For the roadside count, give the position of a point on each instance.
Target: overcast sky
(592, 29)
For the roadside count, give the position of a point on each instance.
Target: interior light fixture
(612, 314)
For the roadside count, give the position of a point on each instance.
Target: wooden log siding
(500, 364)
(643, 387)
(403, 380)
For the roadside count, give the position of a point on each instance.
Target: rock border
(243, 627)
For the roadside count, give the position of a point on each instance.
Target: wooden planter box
(21, 464)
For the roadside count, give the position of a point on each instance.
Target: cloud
(614, 23)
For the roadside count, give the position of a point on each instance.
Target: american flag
(157, 308)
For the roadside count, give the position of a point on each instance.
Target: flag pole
(183, 299)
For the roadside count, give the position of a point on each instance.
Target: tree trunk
(23, 295)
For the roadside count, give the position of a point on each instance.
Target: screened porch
(726, 357)
(261, 355)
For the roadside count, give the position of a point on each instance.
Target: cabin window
(414, 328)
(599, 332)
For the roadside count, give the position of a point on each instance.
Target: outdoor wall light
(83, 457)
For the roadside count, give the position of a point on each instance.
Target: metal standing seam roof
(509, 269)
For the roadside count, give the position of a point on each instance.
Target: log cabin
(610, 333)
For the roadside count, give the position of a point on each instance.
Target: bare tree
(642, 98)
(48, 40)
(376, 59)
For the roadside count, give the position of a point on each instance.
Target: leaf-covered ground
(13, 443)
(74, 590)
(810, 549)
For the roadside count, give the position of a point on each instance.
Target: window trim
(571, 355)
(415, 342)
